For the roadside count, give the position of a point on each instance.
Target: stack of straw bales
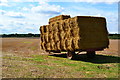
(57, 18)
(77, 33)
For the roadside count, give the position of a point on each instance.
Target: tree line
(111, 36)
(114, 36)
(20, 35)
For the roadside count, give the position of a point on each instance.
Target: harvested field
(22, 58)
(31, 46)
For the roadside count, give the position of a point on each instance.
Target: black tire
(71, 55)
(91, 54)
(56, 51)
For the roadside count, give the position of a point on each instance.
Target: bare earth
(25, 46)
(15, 65)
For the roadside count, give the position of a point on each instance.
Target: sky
(18, 16)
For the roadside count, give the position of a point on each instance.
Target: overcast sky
(17, 16)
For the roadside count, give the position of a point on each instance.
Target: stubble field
(22, 58)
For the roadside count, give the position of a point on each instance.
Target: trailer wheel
(70, 54)
(91, 54)
(49, 52)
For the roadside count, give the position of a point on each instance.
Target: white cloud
(30, 0)
(111, 16)
(29, 19)
(16, 0)
(95, 1)
(2, 12)
(25, 9)
(4, 4)
(42, 1)
(45, 8)
(10, 22)
(14, 14)
(3, 1)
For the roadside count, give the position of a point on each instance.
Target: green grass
(60, 67)
(107, 69)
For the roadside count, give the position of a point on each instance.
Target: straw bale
(43, 46)
(55, 47)
(68, 22)
(46, 37)
(65, 26)
(50, 28)
(60, 27)
(68, 44)
(58, 45)
(48, 47)
(55, 27)
(75, 42)
(41, 29)
(52, 44)
(56, 37)
(68, 34)
(94, 45)
(62, 44)
(62, 35)
(50, 36)
(42, 38)
(92, 32)
(73, 23)
(75, 33)
(45, 29)
(58, 18)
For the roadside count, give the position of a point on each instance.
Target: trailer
(79, 33)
